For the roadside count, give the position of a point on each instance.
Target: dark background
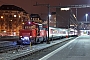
(27, 5)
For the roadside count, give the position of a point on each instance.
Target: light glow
(86, 15)
(65, 9)
(14, 15)
(71, 25)
(4, 31)
(2, 17)
(19, 16)
(49, 15)
(29, 22)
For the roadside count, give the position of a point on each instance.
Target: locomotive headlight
(20, 36)
(30, 36)
(26, 38)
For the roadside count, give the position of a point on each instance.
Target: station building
(12, 19)
(65, 19)
(52, 19)
(36, 18)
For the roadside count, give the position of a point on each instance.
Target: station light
(29, 22)
(71, 25)
(14, 15)
(65, 9)
(10, 20)
(23, 23)
(2, 17)
(74, 15)
(39, 24)
(86, 17)
(49, 15)
(19, 16)
(4, 31)
(86, 14)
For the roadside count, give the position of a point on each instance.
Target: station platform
(76, 49)
(30, 49)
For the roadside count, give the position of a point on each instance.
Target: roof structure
(35, 16)
(11, 7)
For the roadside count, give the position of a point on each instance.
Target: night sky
(27, 5)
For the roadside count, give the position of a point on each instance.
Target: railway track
(40, 53)
(5, 49)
